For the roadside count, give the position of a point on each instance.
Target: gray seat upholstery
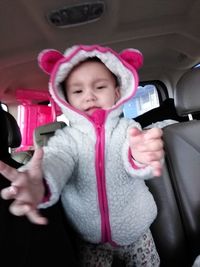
(22, 156)
(187, 93)
(176, 229)
(182, 145)
(44, 132)
(167, 229)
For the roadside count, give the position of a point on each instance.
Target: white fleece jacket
(69, 169)
(103, 195)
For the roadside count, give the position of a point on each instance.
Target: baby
(99, 162)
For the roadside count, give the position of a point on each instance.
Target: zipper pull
(98, 117)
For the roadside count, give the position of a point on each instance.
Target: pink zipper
(99, 119)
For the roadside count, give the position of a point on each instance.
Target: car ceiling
(167, 32)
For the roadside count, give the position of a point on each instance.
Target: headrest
(14, 134)
(10, 135)
(44, 132)
(187, 93)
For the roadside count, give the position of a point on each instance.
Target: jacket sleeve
(60, 158)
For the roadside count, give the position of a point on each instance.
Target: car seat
(182, 145)
(13, 139)
(23, 244)
(42, 133)
(10, 136)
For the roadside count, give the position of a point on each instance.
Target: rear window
(147, 97)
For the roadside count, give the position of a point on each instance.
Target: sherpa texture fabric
(70, 168)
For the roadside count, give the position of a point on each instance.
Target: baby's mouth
(91, 110)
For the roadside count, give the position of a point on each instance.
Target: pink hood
(124, 65)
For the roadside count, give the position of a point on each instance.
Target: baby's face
(91, 86)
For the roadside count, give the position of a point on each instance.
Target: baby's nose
(90, 96)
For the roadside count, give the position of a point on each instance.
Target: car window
(145, 99)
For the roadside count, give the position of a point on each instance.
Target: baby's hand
(147, 147)
(27, 188)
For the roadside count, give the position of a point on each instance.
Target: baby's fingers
(7, 171)
(35, 217)
(9, 192)
(36, 160)
(157, 168)
(153, 133)
(19, 208)
(157, 172)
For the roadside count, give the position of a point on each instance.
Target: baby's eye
(77, 92)
(101, 87)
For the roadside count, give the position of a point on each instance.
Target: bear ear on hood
(132, 56)
(48, 58)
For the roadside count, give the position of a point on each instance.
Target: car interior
(168, 35)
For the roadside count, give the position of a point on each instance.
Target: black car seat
(23, 244)
(182, 145)
(10, 136)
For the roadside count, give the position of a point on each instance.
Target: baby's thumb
(37, 158)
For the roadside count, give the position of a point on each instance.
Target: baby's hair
(96, 59)
(89, 59)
